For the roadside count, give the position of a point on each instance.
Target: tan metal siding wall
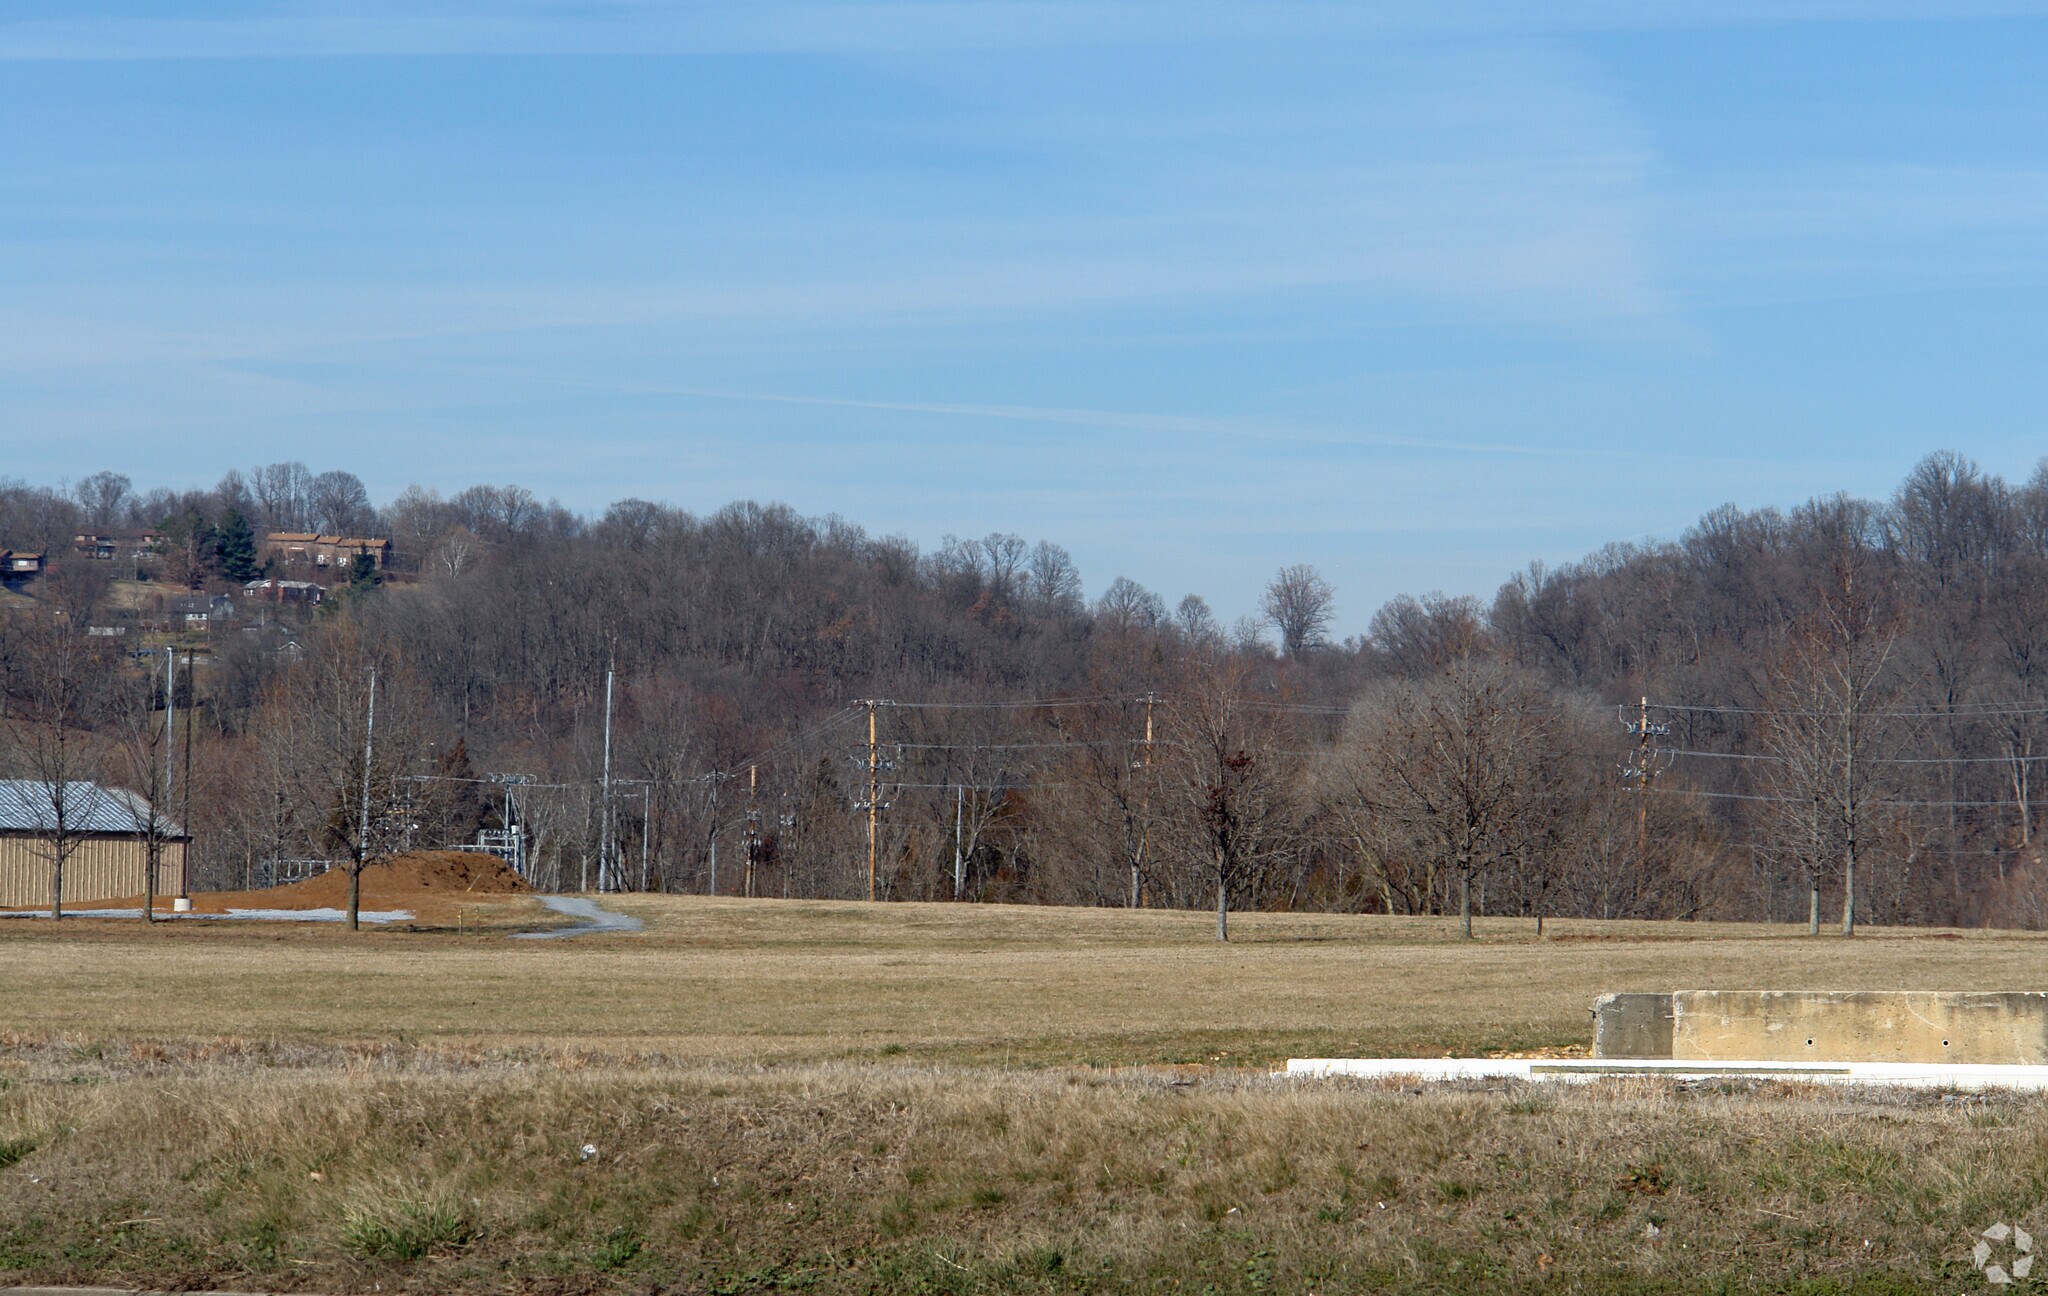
(24, 875)
(102, 868)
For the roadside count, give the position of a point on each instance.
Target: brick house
(307, 551)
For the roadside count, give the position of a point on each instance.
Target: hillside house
(17, 567)
(111, 853)
(307, 593)
(303, 550)
(201, 609)
(132, 546)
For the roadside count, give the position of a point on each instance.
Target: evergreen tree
(363, 575)
(234, 548)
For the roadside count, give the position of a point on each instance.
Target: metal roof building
(109, 857)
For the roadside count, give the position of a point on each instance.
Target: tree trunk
(1465, 904)
(149, 867)
(1813, 911)
(355, 898)
(1849, 890)
(1222, 907)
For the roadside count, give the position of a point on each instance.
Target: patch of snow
(596, 918)
(245, 915)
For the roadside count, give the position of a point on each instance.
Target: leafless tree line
(1853, 692)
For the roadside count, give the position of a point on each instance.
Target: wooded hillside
(1847, 693)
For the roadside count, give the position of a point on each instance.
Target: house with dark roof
(112, 827)
(307, 551)
(17, 566)
(109, 545)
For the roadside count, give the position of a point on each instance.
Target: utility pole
(1643, 773)
(874, 805)
(355, 875)
(715, 779)
(753, 827)
(874, 792)
(170, 723)
(604, 816)
(192, 705)
(785, 823)
(1849, 823)
(1144, 810)
(959, 860)
(156, 815)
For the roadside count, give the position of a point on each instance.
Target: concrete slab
(1997, 1028)
(1907, 1075)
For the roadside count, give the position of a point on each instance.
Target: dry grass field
(764, 1096)
(738, 980)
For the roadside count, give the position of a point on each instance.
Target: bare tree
(1232, 780)
(1419, 637)
(1827, 736)
(1299, 603)
(1197, 623)
(1128, 606)
(1457, 760)
(284, 493)
(1109, 778)
(340, 505)
(1004, 560)
(103, 496)
(144, 759)
(1053, 581)
(349, 775)
(56, 681)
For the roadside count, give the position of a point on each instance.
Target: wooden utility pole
(753, 827)
(959, 860)
(605, 880)
(1644, 773)
(191, 702)
(154, 863)
(355, 874)
(1643, 801)
(874, 792)
(1144, 810)
(716, 778)
(171, 726)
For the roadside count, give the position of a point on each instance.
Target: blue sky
(1196, 289)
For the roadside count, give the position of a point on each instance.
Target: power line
(1768, 848)
(1029, 746)
(839, 717)
(1963, 711)
(1875, 760)
(1018, 705)
(1874, 802)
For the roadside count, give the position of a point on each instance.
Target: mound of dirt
(429, 884)
(422, 878)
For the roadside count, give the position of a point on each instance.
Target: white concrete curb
(1911, 1075)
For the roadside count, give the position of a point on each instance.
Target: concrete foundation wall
(1996, 1028)
(1632, 1026)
